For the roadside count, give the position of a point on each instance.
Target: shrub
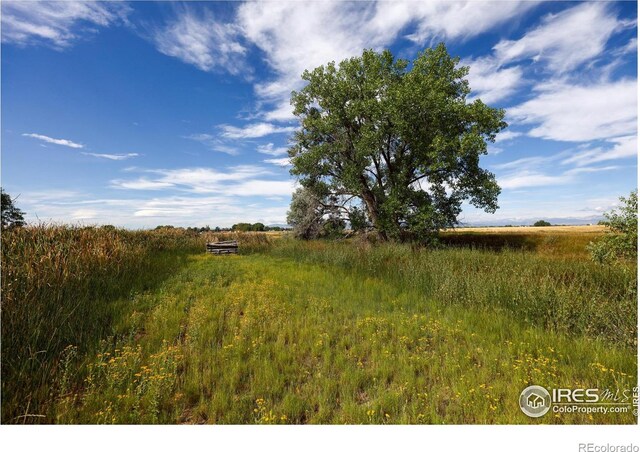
(621, 240)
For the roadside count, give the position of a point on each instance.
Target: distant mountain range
(594, 219)
(569, 221)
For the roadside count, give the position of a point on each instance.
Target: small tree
(305, 214)
(242, 227)
(621, 240)
(258, 227)
(12, 217)
(542, 223)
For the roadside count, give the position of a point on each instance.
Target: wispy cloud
(257, 130)
(279, 162)
(59, 141)
(282, 32)
(181, 210)
(111, 156)
(213, 143)
(529, 162)
(629, 47)
(269, 149)
(58, 24)
(564, 40)
(576, 112)
(243, 180)
(490, 82)
(528, 178)
(507, 135)
(197, 38)
(141, 184)
(621, 148)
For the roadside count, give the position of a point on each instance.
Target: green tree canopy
(11, 215)
(242, 227)
(398, 141)
(258, 227)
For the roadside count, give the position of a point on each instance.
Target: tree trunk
(372, 208)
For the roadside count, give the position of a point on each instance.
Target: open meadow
(101, 325)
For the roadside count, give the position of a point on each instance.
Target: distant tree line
(259, 227)
(239, 227)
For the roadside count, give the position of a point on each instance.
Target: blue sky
(141, 113)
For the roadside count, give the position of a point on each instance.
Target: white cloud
(56, 23)
(491, 83)
(527, 162)
(213, 143)
(282, 111)
(622, 147)
(566, 112)
(197, 38)
(450, 19)
(528, 178)
(279, 162)
(207, 196)
(59, 141)
(269, 149)
(256, 130)
(192, 210)
(564, 40)
(141, 184)
(112, 156)
(295, 36)
(262, 188)
(243, 180)
(507, 135)
(84, 214)
(533, 178)
(630, 47)
(591, 169)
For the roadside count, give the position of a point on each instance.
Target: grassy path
(260, 339)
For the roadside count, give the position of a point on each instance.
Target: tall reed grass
(68, 293)
(568, 295)
(64, 286)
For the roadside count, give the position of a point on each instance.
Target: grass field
(551, 241)
(307, 332)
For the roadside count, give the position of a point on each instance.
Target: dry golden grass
(552, 241)
(584, 229)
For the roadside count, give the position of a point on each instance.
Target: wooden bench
(227, 247)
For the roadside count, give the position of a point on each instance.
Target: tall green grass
(272, 340)
(68, 285)
(101, 325)
(568, 295)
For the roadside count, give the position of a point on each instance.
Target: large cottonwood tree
(398, 141)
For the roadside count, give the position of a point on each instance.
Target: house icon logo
(535, 401)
